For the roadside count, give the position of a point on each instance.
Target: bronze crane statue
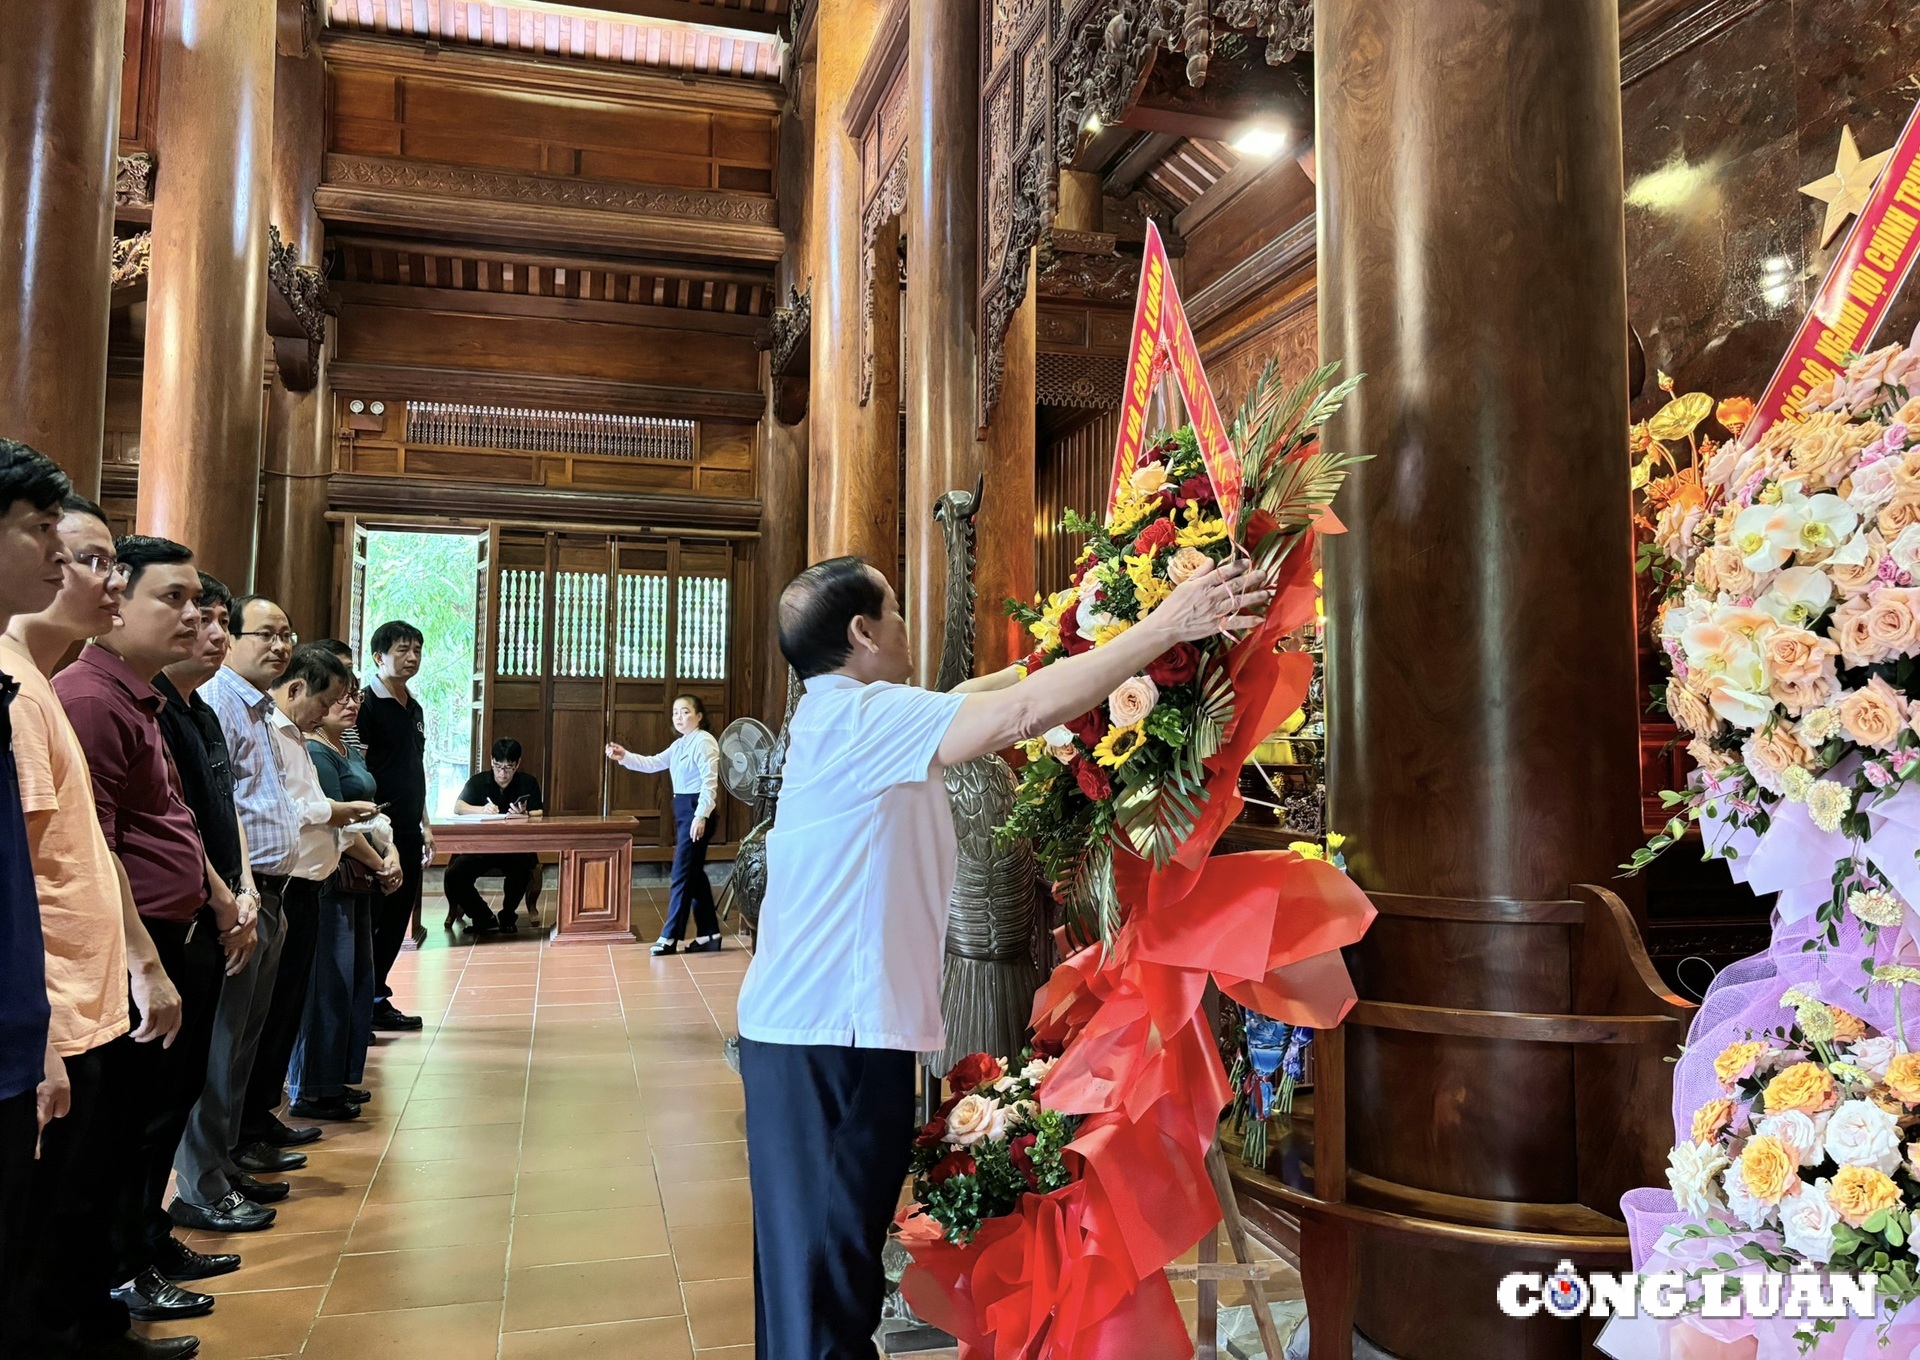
(989, 975)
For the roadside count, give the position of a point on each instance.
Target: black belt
(274, 883)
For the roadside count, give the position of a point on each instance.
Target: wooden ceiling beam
(689, 12)
(572, 308)
(1138, 162)
(567, 77)
(557, 259)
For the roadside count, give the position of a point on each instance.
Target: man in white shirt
(844, 988)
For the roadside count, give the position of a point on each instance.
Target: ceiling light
(1262, 142)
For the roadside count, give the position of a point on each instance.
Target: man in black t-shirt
(393, 728)
(504, 788)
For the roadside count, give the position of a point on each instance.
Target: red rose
(951, 1165)
(1073, 643)
(931, 1133)
(1089, 727)
(974, 1070)
(1034, 661)
(1093, 780)
(1048, 1048)
(946, 1107)
(1020, 1153)
(1192, 490)
(1259, 524)
(1080, 569)
(1175, 667)
(1159, 534)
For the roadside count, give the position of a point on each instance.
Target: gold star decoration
(1845, 191)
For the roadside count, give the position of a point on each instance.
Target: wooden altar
(596, 866)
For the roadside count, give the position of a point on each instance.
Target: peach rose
(1807, 1087)
(1188, 562)
(1847, 1027)
(1770, 1168)
(1797, 654)
(1711, 1118)
(1906, 473)
(1133, 701)
(1859, 579)
(1860, 1192)
(1706, 572)
(1731, 572)
(1822, 457)
(1872, 368)
(1737, 1062)
(1777, 749)
(1851, 634)
(1803, 696)
(1690, 710)
(1149, 478)
(1891, 622)
(1903, 510)
(1873, 715)
(1908, 415)
(1714, 762)
(1903, 1078)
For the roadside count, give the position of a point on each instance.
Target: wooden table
(596, 866)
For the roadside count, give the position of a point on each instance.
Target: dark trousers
(164, 1084)
(339, 1000)
(517, 873)
(76, 1184)
(692, 892)
(393, 914)
(19, 1126)
(829, 1140)
(266, 1084)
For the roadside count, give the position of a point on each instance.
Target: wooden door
(638, 717)
(578, 688)
(486, 595)
(516, 698)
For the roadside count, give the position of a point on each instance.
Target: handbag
(355, 879)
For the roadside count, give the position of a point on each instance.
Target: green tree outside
(429, 580)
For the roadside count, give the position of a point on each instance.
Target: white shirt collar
(832, 680)
(379, 687)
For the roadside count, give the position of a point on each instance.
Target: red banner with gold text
(1873, 262)
(1163, 339)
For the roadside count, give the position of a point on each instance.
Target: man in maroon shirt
(196, 924)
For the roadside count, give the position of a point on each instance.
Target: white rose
(1860, 1133)
(1873, 486)
(1799, 1132)
(976, 1117)
(1755, 1213)
(1808, 1222)
(1059, 744)
(1006, 1083)
(1693, 1170)
(1036, 1070)
(1873, 1055)
(1905, 550)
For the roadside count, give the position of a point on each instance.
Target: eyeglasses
(286, 639)
(104, 565)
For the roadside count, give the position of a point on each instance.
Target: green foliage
(430, 580)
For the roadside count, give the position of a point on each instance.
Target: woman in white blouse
(694, 760)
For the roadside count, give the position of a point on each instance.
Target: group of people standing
(211, 849)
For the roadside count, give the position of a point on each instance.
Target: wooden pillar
(59, 118)
(206, 299)
(943, 449)
(854, 476)
(296, 543)
(1006, 524)
(1480, 648)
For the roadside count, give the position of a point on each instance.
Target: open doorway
(428, 579)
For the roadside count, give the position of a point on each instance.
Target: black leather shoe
(357, 1094)
(710, 945)
(324, 1107)
(663, 947)
(133, 1346)
(509, 926)
(285, 1135)
(149, 1298)
(260, 1192)
(264, 1159)
(234, 1214)
(179, 1262)
(388, 1016)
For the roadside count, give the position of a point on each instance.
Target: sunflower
(1107, 632)
(1119, 745)
(1129, 512)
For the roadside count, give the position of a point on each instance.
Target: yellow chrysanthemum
(1307, 850)
(1129, 513)
(1034, 749)
(1108, 632)
(1148, 589)
(1119, 745)
(1201, 530)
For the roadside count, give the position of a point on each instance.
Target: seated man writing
(505, 788)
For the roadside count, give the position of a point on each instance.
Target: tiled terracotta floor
(554, 1167)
